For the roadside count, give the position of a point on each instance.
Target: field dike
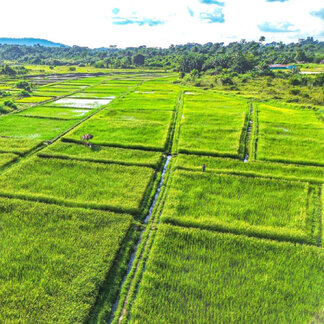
(44, 144)
(139, 256)
(248, 136)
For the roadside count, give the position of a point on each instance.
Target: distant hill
(30, 42)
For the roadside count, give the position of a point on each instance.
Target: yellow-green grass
(213, 127)
(6, 158)
(133, 129)
(197, 276)
(145, 104)
(34, 99)
(79, 183)
(103, 154)
(256, 168)
(50, 93)
(18, 145)
(289, 135)
(32, 128)
(54, 260)
(155, 95)
(51, 112)
(262, 207)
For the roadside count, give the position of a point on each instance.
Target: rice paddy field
(130, 198)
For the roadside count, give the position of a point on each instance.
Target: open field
(244, 205)
(6, 158)
(55, 259)
(78, 183)
(290, 135)
(183, 206)
(32, 128)
(222, 278)
(18, 145)
(213, 126)
(51, 112)
(133, 129)
(103, 154)
(256, 168)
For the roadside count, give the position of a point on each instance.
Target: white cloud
(85, 23)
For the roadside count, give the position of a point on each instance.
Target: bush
(10, 104)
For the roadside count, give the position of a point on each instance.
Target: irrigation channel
(249, 135)
(132, 258)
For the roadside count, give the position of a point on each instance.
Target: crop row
(197, 276)
(252, 206)
(55, 260)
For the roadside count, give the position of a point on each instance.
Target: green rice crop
(51, 112)
(213, 127)
(290, 135)
(78, 183)
(255, 168)
(54, 260)
(34, 99)
(32, 128)
(50, 93)
(245, 205)
(103, 154)
(133, 129)
(147, 104)
(196, 276)
(6, 158)
(18, 145)
(92, 95)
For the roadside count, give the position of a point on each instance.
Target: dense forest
(238, 57)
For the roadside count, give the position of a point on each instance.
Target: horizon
(143, 23)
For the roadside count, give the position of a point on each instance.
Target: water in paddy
(147, 218)
(82, 103)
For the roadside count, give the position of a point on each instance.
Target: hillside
(30, 42)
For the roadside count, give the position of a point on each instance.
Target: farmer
(203, 168)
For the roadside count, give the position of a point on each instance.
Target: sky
(127, 23)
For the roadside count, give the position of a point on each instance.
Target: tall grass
(133, 129)
(195, 276)
(6, 158)
(54, 260)
(103, 154)
(212, 126)
(257, 168)
(244, 205)
(18, 145)
(76, 183)
(290, 135)
(32, 128)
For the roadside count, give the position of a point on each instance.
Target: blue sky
(162, 23)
